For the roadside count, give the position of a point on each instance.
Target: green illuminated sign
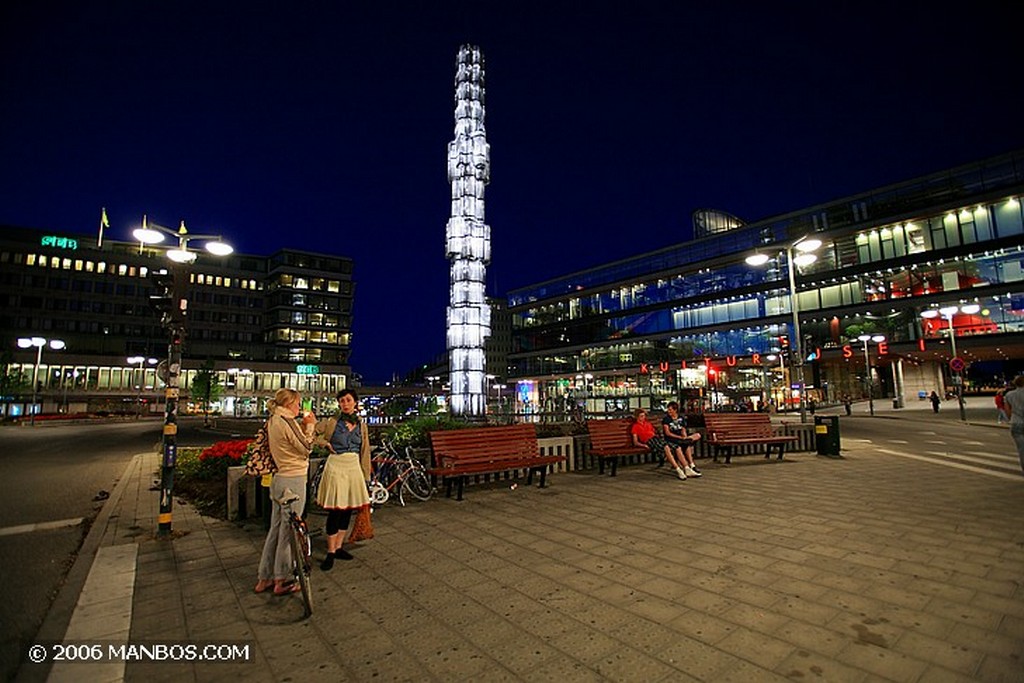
(307, 369)
(61, 242)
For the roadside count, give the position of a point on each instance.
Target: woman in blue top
(343, 486)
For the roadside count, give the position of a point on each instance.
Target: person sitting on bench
(673, 429)
(644, 434)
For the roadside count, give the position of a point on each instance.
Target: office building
(261, 322)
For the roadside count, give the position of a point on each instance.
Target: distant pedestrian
(1014, 405)
(811, 406)
(934, 398)
(847, 405)
(1001, 406)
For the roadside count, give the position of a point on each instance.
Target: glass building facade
(640, 326)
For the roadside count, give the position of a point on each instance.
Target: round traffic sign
(957, 364)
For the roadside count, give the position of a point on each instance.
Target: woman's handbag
(362, 529)
(261, 460)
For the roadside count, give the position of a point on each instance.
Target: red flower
(226, 449)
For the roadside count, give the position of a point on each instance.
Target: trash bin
(826, 435)
(896, 403)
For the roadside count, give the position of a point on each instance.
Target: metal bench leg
(543, 476)
(600, 465)
(448, 487)
(529, 476)
(462, 483)
(615, 465)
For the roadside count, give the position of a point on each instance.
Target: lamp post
(141, 360)
(878, 339)
(804, 246)
(39, 343)
(151, 233)
(948, 312)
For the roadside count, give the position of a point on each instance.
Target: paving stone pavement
(865, 568)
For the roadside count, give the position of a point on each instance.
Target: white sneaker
(680, 473)
(690, 472)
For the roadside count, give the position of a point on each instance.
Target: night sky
(323, 126)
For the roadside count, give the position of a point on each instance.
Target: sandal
(263, 586)
(287, 588)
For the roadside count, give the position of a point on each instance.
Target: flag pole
(104, 223)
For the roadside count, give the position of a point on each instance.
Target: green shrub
(416, 433)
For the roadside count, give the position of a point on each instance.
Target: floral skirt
(342, 486)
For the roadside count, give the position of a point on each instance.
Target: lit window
(122, 269)
(78, 264)
(90, 266)
(30, 259)
(66, 264)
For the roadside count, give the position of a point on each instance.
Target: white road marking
(40, 526)
(959, 466)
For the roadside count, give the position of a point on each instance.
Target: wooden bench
(461, 453)
(610, 439)
(723, 431)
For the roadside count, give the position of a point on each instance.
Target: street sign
(957, 364)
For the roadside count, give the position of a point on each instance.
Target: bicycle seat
(288, 497)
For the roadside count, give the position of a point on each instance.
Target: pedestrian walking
(847, 405)
(934, 398)
(1014, 405)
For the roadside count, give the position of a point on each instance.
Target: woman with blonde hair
(290, 444)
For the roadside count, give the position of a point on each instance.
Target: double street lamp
(38, 343)
(878, 339)
(948, 312)
(182, 256)
(804, 256)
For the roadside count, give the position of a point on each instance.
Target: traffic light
(166, 298)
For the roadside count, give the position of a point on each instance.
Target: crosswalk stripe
(948, 463)
(986, 459)
(40, 526)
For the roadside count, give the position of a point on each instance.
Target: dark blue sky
(324, 125)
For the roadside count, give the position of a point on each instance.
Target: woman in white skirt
(343, 486)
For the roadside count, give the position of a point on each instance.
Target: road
(981, 445)
(53, 476)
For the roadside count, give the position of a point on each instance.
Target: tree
(206, 386)
(12, 382)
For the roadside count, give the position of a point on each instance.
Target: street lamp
(151, 233)
(804, 246)
(141, 360)
(948, 312)
(39, 343)
(878, 339)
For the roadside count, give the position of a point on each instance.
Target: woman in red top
(644, 434)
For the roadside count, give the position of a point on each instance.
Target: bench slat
(724, 430)
(459, 453)
(612, 439)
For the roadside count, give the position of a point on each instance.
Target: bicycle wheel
(417, 482)
(301, 566)
(378, 493)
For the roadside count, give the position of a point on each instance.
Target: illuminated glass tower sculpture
(468, 239)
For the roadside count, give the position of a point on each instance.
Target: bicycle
(392, 470)
(301, 547)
